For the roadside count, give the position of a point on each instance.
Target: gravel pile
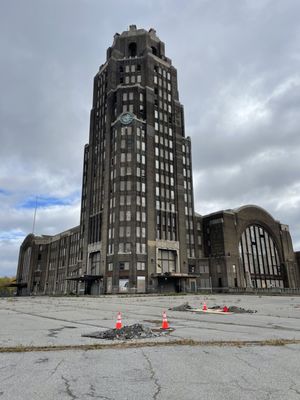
(182, 307)
(135, 331)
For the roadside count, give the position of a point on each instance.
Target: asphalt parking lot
(209, 356)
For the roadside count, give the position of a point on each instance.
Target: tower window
(154, 51)
(132, 49)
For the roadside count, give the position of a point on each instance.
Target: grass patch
(133, 344)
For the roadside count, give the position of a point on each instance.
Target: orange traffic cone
(165, 323)
(225, 309)
(119, 321)
(204, 308)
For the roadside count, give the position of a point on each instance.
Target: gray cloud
(238, 73)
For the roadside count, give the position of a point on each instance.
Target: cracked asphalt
(169, 371)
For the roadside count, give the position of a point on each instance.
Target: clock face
(126, 118)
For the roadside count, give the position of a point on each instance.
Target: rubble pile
(234, 309)
(240, 310)
(135, 331)
(181, 307)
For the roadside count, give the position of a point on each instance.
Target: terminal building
(139, 232)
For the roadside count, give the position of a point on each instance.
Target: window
(141, 266)
(124, 266)
(132, 49)
(166, 261)
(259, 257)
(95, 262)
(127, 247)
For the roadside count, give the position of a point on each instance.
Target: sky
(239, 81)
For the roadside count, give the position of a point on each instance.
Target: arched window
(132, 49)
(259, 258)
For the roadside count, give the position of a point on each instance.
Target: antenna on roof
(34, 216)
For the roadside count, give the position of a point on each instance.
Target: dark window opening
(132, 49)
(138, 67)
(121, 69)
(154, 50)
(220, 282)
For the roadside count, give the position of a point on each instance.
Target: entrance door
(123, 285)
(193, 285)
(141, 284)
(109, 285)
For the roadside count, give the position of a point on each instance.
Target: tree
(5, 290)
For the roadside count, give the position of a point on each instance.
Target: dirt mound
(135, 331)
(182, 307)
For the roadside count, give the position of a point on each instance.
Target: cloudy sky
(239, 81)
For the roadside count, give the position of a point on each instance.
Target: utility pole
(34, 216)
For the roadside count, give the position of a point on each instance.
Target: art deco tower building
(138, 232)
(137, 217)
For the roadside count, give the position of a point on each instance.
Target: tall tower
(137, 217)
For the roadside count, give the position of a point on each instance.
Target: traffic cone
(204, 308)
(119, 321)
(165, 323)
(225, 309)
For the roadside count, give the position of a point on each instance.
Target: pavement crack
(250, 389)
(293, 389)
(246, 362)
(152, 376)
(7, 378)
(68, 388)
(92, 393)
(41, 360)
(55, 369)
(54, 332)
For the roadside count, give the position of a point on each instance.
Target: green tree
(5, 290)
